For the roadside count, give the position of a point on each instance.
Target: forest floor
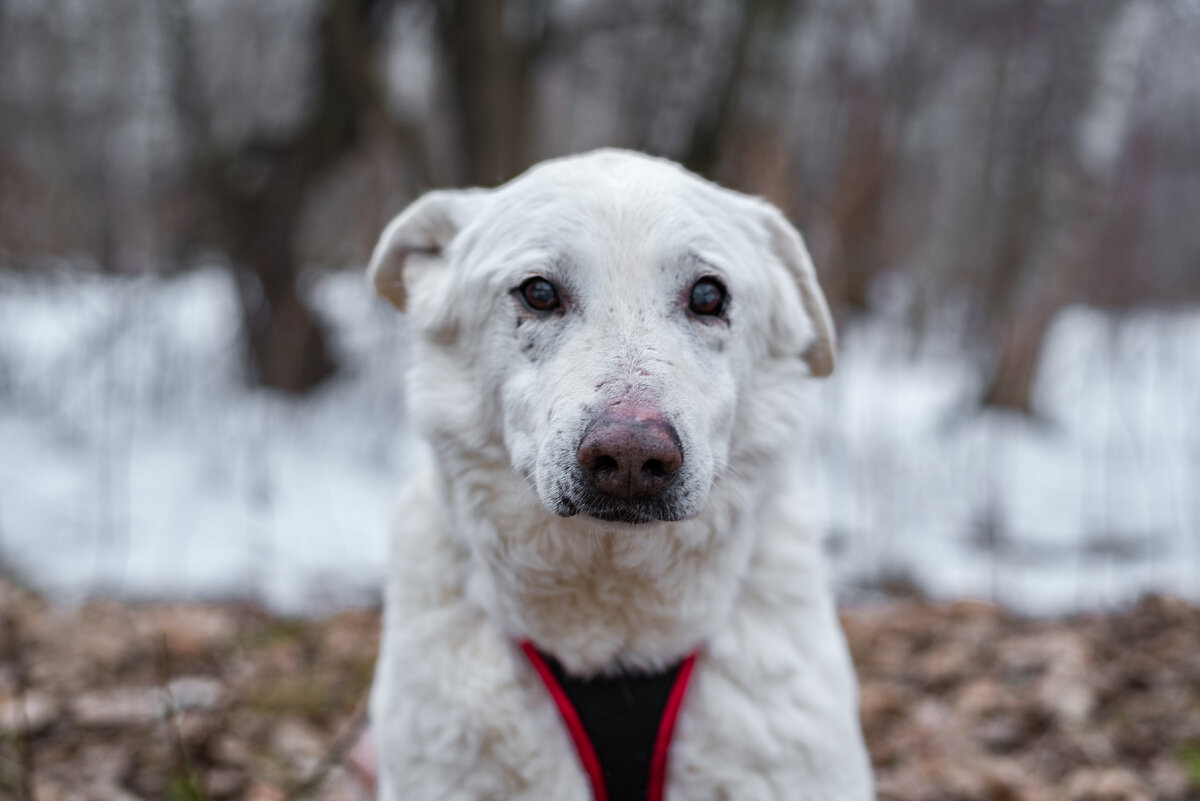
(184, 702)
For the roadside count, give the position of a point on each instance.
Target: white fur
(483, 557)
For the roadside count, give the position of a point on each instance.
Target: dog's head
(607, 323)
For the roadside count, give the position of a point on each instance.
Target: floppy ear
(820, 352)
(426, 228)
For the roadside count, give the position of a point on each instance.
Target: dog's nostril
(604, 464)
(654, 468)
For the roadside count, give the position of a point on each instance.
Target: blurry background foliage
(1005, 158)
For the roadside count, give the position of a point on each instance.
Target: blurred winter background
(199, 397)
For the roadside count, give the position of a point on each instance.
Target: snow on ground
(134, 463)
(1089, 508)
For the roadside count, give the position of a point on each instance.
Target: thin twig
(24, 762)
(334, 756)
(195, 788)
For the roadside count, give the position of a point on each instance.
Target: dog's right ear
(425, 229)
(820, 352)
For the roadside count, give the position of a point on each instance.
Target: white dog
(609, 366)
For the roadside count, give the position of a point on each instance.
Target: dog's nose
(630, 458)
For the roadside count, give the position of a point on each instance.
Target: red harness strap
(583, 744)
(666, 727)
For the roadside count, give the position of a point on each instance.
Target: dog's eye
(708, 297)
(540, 295)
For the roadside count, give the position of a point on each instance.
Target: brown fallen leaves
(966, 702)
(223, 701)
(120, 702)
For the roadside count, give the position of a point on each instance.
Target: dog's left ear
(819, 353)
(424, 229)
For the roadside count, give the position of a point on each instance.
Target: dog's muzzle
(629, 459)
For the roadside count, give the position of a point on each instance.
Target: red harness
(583, 744)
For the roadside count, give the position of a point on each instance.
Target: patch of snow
(134, 462)
(1090, 508)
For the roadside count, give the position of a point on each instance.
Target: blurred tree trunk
(712, 127)
(257, 188)
(492, 47)
(1074, 204)
(858, 206)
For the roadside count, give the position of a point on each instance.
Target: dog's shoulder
(771, 710)
(451, 688)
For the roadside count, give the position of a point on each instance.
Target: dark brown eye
(707, 298)
(540, 295)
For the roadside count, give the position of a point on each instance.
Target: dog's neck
(601, 598)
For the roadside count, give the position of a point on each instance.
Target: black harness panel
(621, 715)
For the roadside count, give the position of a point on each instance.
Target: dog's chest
(461, 714)
(471, 720)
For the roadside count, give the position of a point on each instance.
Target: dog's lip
(567, 508)
(668, 506)
(627, 516)
(635, 514)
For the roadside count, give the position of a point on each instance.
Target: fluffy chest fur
(770, 713)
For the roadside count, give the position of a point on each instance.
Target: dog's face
(603, 315)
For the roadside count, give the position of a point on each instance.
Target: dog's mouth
(629, 517)
(609, 510)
